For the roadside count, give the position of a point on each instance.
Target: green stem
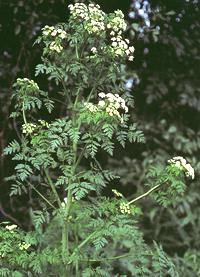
(52, 187)
(77, 261)
(23, 113)
(108, 259)
(65, 229)
(83, 243)
(43, 197)
(80, 157)
(95, 86)
(77, 55)
(145, 194)
(66, 93)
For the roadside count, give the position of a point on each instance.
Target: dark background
(166, 87)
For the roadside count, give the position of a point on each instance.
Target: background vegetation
(164, 80)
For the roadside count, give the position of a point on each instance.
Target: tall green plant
(77, 231)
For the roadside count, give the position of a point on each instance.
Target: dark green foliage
(168, 111)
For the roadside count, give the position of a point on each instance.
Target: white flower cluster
(125, 208)
(117, 193)
(117, 22)
(24, 245)
(28, 128)
(181, 163)
(113, 102)
(91, 107)
(57, 33)
(11, 227)
(121, 47)
(26, 81)
(51, 30)
(96, 22)
(110, 103)
(92, 16)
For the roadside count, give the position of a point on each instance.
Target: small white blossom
(130, 58)
(11, 227)
(101, 103)
(94, 50)
(54, 33)
(132, 49)
(101, 95)
(64, 203)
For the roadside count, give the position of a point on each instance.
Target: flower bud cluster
(116, 22)
(124, 208)
(52, 31)
(27, 82)
(28, 128)
(91, 107)
(121, 47)
(181, 163)
(58, 34)
(24, 245)
(117, 193)
(43, 123)
(54, 46)
(92, 16)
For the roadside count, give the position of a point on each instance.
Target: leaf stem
(145, 194)
(108, 259)
(42, 196)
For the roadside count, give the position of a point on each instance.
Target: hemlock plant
(77, 231)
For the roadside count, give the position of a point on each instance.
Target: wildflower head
(124, 208)
(26, 83)
(28, 128)
(182, 164)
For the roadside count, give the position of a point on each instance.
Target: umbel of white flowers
(181, 163)
(109, 103)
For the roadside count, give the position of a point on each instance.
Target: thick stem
(145, 194)
(65, 229)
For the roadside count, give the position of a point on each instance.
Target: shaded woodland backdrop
(165, 81)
